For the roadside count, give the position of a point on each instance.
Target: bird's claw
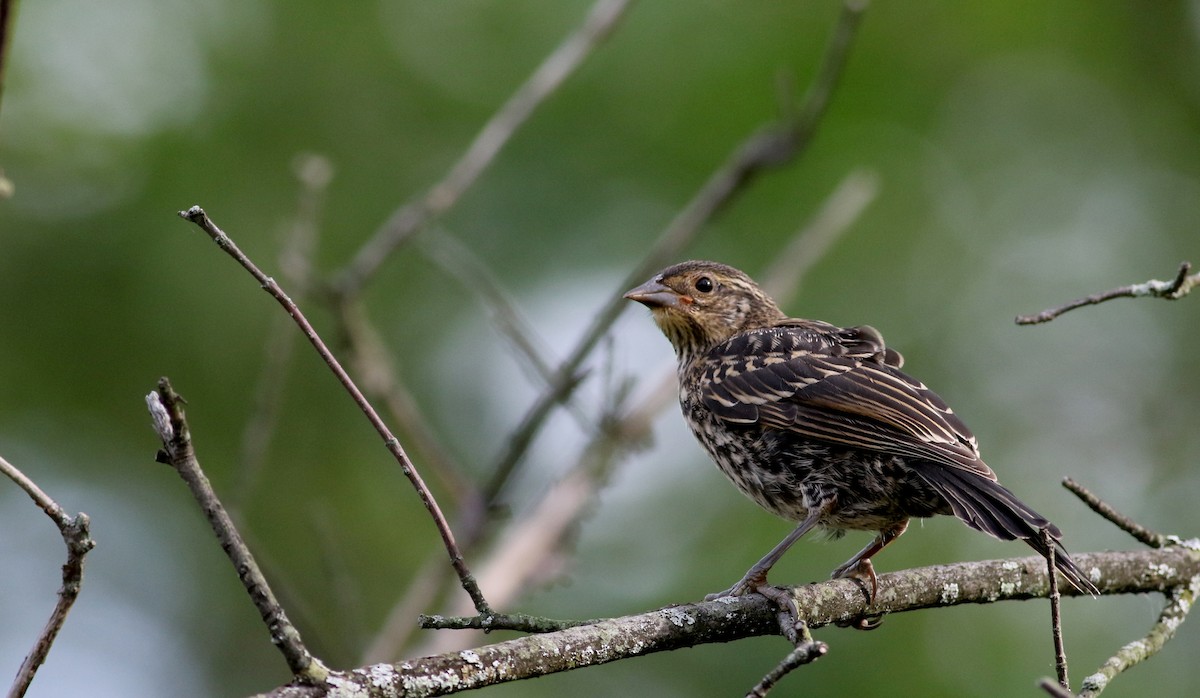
(862, 572)
(756, 583)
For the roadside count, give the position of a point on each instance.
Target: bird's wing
(839, 386)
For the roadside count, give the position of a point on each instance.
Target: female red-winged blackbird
(817, 424)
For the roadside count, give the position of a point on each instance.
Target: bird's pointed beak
(653, 294)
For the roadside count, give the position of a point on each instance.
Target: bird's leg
(755, 578)
(859, 567)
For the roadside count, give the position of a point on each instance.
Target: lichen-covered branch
(1179, 601)
(733, 618)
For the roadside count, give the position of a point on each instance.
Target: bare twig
(1175, 289)
(197, 215)
(76, 535)
(805, 650)
(1179, 601)
(1060, 652)
(804, 653)
(170, 423)
(1139, 532)
(408, 219)
(375, 370)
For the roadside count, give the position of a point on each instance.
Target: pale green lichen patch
(677, 617)
(949, 593)
(344, 688)
(1094, 683)
(382, 675)
(1160, 570)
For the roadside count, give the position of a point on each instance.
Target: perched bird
(818, 425)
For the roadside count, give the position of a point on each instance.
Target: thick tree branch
(728, 619)
(76, 534)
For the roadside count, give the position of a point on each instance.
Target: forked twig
(76, 534)
(170, 423)
(197, 215)
(1175, 289)
(805, 650)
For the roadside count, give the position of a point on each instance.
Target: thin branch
(170, 422)
(1179, 601)
(770, 146)
(76, 535)
(553, 71)
(197, 215)
(1060, 652)
(734, 618)
(1139, 532)
(1175, 289)
(804, 653)
(369, 357)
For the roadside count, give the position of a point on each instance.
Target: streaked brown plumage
(817, 424)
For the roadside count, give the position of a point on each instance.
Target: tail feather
(988, 506)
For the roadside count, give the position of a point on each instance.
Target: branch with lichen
(733, 618)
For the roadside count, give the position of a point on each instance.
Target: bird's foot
(750, 583)
(862, 572)
(755, 582)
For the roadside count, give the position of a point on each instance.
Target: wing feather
(837, 386)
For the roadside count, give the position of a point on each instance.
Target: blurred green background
(1027, 153)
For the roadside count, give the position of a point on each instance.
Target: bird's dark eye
(704, 284)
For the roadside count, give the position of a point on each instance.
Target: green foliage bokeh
(1027, 153)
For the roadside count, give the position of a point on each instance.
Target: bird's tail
(988, 506)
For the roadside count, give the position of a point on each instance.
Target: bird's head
(698, 305)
